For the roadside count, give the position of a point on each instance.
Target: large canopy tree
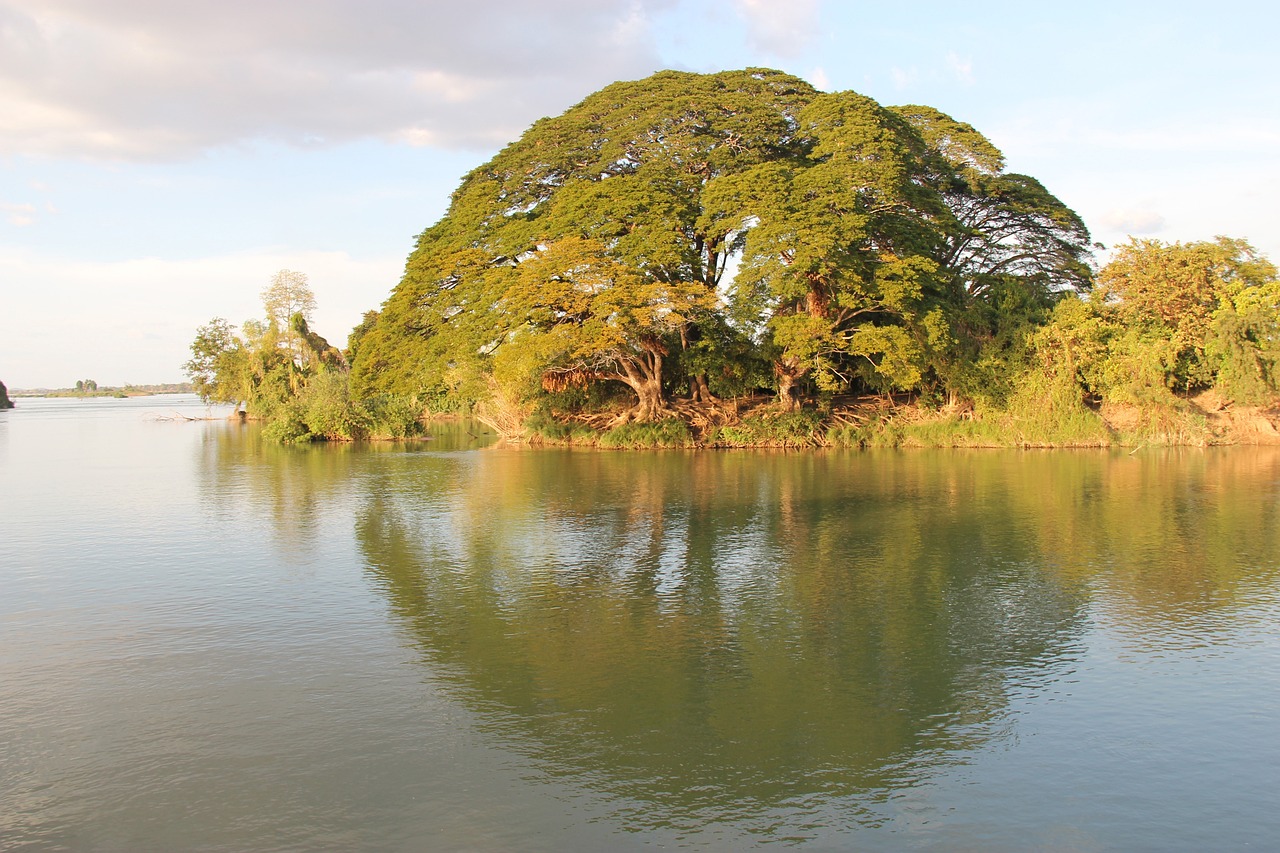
(623, 172)
(626, 239)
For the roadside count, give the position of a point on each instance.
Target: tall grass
(671, 432)
(805, 428)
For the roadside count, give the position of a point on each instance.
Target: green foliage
(872, 247)
(291, 377)
(666, 433)
(367, 322)
(874, 250)
(1193, 315)
(1243, 344)
(582, 243)
(287, 425)
(802, 428)
(212, 368)
(392, 416)
(328, 411)
(542, 428)
(1047, 408)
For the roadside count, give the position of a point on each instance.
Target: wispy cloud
(903, 77)
(783, 28)
(961, 67)
(20, 215)
(1129, 221)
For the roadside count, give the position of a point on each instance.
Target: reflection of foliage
(717, 633)
(292, 487)
(1172, 536)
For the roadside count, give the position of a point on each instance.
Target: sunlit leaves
(600, 241)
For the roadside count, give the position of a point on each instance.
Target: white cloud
(781, 27)
(132, 321)
(144, 79)
(818, 77)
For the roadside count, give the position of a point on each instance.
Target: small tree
(288, 295)
(213, 369)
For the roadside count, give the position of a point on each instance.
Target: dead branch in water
(178, 416)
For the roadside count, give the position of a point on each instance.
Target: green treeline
(672, 243)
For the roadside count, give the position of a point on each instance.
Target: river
(208, 642)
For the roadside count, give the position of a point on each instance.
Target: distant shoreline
(121, 391)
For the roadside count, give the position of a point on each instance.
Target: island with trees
(738, 259)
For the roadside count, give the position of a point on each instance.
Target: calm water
(211, 643)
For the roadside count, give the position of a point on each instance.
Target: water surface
(209, 642)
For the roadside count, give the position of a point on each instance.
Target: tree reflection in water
(726, 636)
(788, 642)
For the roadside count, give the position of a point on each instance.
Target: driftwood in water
(178, 416)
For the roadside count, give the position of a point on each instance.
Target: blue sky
(161, 160)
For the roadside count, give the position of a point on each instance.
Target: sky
(161, 160)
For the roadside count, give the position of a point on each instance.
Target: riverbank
(879, 422)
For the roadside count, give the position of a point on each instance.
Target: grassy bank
(881, 423)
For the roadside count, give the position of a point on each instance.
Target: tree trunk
(646, 380)
(699, 391)
(787, 398)
(788, 375)
(652, 405)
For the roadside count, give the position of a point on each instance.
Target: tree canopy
(669, 233)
